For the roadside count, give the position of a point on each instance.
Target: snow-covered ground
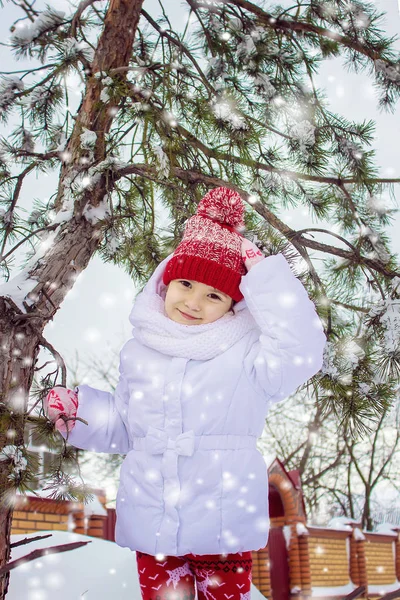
(99, 571)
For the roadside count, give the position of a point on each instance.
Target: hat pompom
(223, 205)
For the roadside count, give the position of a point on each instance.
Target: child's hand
(61, 401)
(251, 255)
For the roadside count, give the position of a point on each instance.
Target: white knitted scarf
(197, 342)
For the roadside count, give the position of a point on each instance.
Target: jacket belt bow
(157, 442)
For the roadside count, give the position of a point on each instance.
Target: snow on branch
(29, 32)
(8, 88)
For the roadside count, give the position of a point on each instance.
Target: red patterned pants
(214, 576)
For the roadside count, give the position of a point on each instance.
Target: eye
(215, 297)
(185, 282)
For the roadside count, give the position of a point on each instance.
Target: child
(220, 334)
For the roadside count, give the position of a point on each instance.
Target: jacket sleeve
(107, 417)
(290, 347)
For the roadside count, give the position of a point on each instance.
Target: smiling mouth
(189, 317)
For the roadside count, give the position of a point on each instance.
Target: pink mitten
(61, 401)
(251, 255)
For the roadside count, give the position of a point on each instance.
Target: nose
(193, 302)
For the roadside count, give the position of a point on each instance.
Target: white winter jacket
(193, 480)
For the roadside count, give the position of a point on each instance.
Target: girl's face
(193, 303)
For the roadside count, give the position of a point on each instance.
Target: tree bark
(74, 244)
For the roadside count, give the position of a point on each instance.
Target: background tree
(341, 474)
(165, 115)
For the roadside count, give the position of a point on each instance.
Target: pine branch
(193, 177)
(80, 10)
(307, 28)
(14, 200)
(29, 540)
(41, 552)
(26, 238)
(59, 359)
(179, 45)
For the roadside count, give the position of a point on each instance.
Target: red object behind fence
(109, 525)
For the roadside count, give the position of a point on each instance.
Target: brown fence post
(261, 571)
(305, 570)
(294, 560)
(79, 520)
(96, 526)
(397, 553)
(358, 567)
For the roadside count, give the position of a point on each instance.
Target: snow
(38, 97)
(383, 588)
(18, 288)
(71, 49)
(342, 523)
(98, 571)
(97, 213)
(14, 453)
(46, 20)
(389, 73)
(376, 242)
(62, 216)
(304, 133)
(287, 534)
(329, 367)
(8, 87)
(88, 138)
(94, 507)
(386, 528)
(264, 85)
(162, 161)
(301, 529)
(105, 96)
(350, 149)
(353, 353)
(339, 590)
(358, 535)
(377, 205)
(246, 48)
(396, 284)
(225, 110)
(389, 311)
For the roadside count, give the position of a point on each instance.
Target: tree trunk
(75, 242)
(366, 521)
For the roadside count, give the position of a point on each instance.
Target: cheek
(220, 309)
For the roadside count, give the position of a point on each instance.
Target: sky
(93, 321)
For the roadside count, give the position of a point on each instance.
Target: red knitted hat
(211, 249)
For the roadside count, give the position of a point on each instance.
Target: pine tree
(165, 115)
